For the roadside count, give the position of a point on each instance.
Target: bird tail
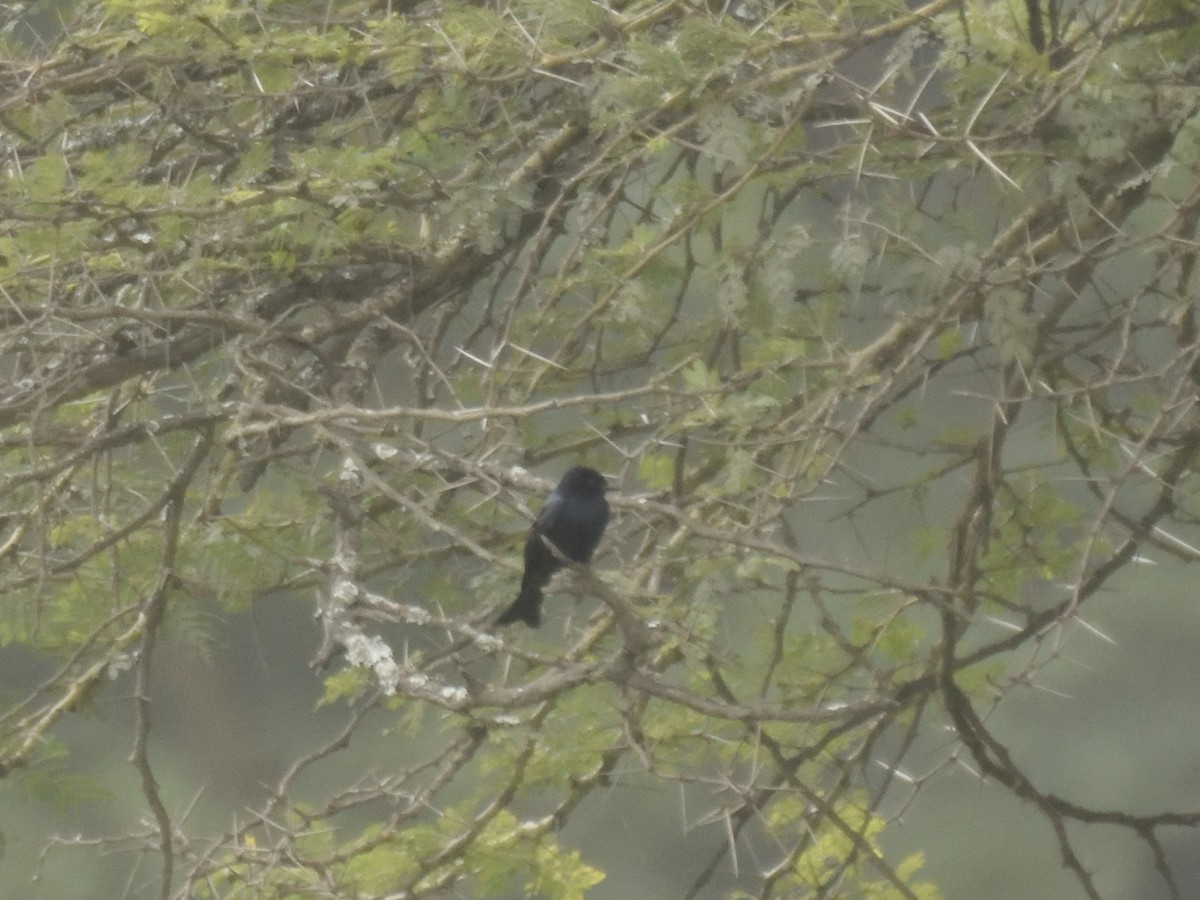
(526, 608)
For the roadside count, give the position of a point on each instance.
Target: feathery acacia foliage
(879, 313)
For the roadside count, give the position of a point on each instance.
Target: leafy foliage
(880, 317)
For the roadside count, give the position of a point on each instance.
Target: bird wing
(549, 514)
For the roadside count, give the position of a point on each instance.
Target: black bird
(573, 520)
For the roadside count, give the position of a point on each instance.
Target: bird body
(573, 521)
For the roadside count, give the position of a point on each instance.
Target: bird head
(581, 480)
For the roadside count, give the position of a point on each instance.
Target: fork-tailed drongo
(573, 520)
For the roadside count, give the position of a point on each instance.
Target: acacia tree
(319, 299)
